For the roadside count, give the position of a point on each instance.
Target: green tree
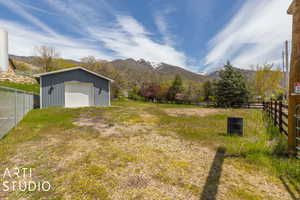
(231, 87)
(176, 88)
(192, 91)
(267, 82)
(207, 90)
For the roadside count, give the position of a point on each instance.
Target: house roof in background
(71, 69)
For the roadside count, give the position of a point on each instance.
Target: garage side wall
(53, 87)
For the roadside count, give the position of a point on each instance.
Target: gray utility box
(235, 125)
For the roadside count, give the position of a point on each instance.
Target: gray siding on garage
(53, 87)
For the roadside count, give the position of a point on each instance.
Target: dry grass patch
(200, 112)
(126, 153)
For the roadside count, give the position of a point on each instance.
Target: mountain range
(155, 69)
(142, 69)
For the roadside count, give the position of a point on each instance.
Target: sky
(198, 35)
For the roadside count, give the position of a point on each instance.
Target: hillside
(135, 70)
(28, 63)
(247, 73)
(160, 70)
(170, 69)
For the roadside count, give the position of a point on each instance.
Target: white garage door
(78, 94)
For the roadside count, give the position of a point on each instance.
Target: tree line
(231, 88)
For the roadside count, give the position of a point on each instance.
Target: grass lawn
(137, 150)
(33, 88)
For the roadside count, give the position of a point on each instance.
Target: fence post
(280, 117)
(271, 109)
(24, 110)
(16, 107)
(275, 113)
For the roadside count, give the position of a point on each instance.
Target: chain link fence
(14, 104)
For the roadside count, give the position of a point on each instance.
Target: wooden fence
(254, 105)
(278, 112)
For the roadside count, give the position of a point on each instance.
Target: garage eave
(71, 69)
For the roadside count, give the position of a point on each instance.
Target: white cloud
(18, 9)
(125, 37)
(163, 28)
(160, 19)
(121, 37)
(23, 39)
(255, 35)
(76, 15)
(130, 25)
(34, 8)
(129, 39)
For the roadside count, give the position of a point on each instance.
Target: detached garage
(74, 87)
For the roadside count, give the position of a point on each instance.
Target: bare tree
(45, 57)
(89, 61)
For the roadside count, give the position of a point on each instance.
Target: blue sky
(199, 35)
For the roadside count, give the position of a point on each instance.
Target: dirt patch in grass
(136, 157)
(201, 112)
(165, 166)
(148, 165)
(106, 129)
(175, 168)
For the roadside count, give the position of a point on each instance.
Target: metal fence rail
(14, 104)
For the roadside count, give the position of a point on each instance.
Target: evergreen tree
(231, 88)
(176, 88)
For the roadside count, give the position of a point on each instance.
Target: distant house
(73, 87)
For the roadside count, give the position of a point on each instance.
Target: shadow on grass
(222, 134)
(210, 189)
(292, 187)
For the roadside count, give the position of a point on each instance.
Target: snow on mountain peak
(155, 64)
(202, 73)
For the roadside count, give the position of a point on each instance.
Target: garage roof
(71, 69)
